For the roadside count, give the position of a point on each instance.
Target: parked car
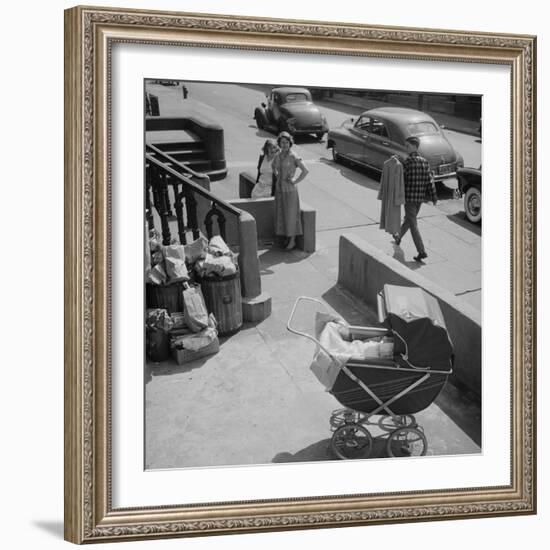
(469, 183)
(291, 110)
(378, 134)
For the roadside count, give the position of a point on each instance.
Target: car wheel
(259, 116)
(282, 126)
(472, 204)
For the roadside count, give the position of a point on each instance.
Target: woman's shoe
(290, 245)
(397, 239)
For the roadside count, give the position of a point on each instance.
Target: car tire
(472, 204)
(259, 116)
(335, 155)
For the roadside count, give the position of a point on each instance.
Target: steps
(188, 149)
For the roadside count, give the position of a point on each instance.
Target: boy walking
(419, 185)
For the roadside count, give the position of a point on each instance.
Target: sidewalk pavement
(450, 122)
(257, 402)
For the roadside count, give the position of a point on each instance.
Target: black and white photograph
(312, 274)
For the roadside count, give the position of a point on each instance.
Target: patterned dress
(288, 221)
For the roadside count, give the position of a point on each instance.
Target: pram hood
(415, 316)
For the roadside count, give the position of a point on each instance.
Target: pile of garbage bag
(176, 262)
(195, 341)
(164, 264)
(192, 332)
(217, 259)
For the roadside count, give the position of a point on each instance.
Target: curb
(363, 270)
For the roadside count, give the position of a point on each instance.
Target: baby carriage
(392, 372)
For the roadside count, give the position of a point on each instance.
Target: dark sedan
(380, 133)
(292, 110)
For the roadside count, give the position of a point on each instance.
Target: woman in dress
(287, 203)
(264, 180)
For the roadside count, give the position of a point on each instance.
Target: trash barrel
(222, 296)
(168, 297)
(157, 345)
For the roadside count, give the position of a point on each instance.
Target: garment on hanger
(392, 195)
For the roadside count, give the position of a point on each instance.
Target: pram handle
(290, 328)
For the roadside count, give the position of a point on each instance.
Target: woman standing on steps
(288, 222)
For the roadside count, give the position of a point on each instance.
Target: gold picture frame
(89, 36)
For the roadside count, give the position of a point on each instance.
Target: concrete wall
(363, 270)
(263, 211)
(246, 184)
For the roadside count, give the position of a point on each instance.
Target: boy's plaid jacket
(419, 179)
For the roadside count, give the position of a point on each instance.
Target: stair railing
(187, 216)
(159, 176)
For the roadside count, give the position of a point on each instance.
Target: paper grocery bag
(194, 309)
(174, 262)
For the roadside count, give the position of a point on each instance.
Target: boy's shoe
(420, 257)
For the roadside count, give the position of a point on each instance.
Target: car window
(291, 98)
(378, 128)
(363, 123)
(422, 128)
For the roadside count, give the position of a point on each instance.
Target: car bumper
(306, 128)
(449, 180)
(311, 130)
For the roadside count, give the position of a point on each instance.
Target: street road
(344, 197)
(232, 106)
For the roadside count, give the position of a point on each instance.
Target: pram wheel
(388, 424)
(407, 442)
(351, 441)
(341, 417)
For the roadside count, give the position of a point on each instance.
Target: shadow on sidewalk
(460, 219)
(461, 406)
(315, 452)
(342, 303)
(275, 256)
(399, 255)
(322, 451)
